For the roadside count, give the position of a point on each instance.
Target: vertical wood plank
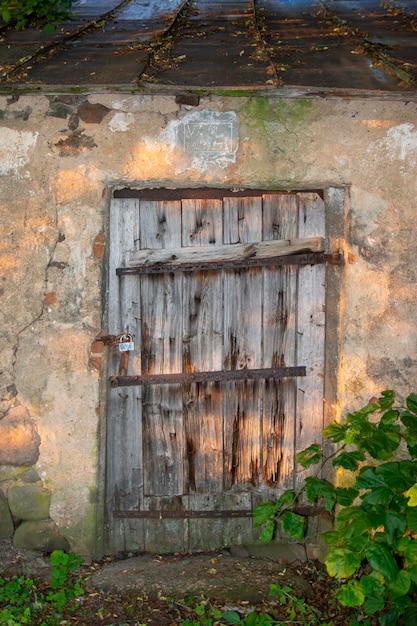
(310, 332)
(202, 351)
(166, 535)
(161, 312)
(242, 220)
(161, 304)
(280, 221)
(242, 348)
(124, 437)
(211, 534)
(202, 222)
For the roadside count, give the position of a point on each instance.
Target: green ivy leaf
(357, 543)
(369, 479)
(389, 417)
(310, 456)
(378, 495)
(389, 619)
(287, 498)
(410, 615)
(231, 617)
(409, 420)
(346, 495)
(373, 604)
(332, 537)
(335, 431)
(373, 587)
(317, 488)
(369, 408)
(411, 403)
(412, 449)
(252, 619)
(387, 399)
(396, 475)
(267, 532)
(263, 512)
(401, 585)
(293, 524)
(353, 521)
(342, 562)
(411, 517)
(348, 460)
(411, 494)
(408, 547)
(380, 444)
(381, 559)
(372, 584)
(6, 15)
(49, 29)
(350, 594)
(395, 525)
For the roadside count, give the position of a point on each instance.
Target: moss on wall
(290, 113)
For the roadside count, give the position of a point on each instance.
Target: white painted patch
(202, 138)
(14, 149)
(400, 144)
(120, 122)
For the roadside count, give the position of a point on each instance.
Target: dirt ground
(146, 589)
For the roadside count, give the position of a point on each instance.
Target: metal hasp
(311, 258)
(206, 377)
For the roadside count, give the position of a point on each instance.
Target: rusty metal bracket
(312, 258)
(207, 377)
(181, 514)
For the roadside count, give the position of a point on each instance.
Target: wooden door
(224, 299)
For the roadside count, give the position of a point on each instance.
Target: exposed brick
(19, 440)
(98, 246)
(92, 113)
(50, 298)
(96, 354)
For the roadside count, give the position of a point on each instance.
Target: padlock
(126, 343)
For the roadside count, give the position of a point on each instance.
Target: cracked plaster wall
(58, 158)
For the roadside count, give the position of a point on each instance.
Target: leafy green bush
(373, 546)
(297, 611)
(21, 602)
(22, 13)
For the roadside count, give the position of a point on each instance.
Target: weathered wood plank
(202, 350)
(242, 349)
(310, 333)
(242, 220)
(166, 535)
(232, 252)
(163, 436)
(280, 219)
(212, 534)
(161, 306)
(202, 223)
(124, 437)
(162, 405)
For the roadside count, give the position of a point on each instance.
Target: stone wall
(60, 159)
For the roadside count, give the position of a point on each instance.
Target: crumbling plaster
(57, 171)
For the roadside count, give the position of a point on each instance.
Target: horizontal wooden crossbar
(310, 258)
(206, 377)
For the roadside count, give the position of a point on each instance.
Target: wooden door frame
(336, 206)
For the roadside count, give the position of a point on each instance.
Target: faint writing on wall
(202, 139)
